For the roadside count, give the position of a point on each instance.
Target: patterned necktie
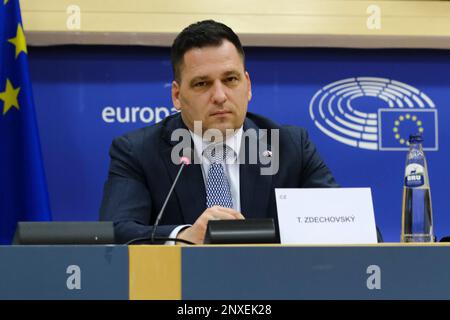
(218, 190)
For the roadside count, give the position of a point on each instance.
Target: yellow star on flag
(19, 41)
(9, 97)
(6, 1)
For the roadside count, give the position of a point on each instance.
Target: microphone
(184, 161)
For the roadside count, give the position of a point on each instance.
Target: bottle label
(414, 173)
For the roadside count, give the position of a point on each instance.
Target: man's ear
(176, 95)
(249, 84)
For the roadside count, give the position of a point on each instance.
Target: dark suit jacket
(141, 173)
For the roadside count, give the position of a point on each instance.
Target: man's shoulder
(257, 121)
(152, 131)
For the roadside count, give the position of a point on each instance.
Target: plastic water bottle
(417, 215)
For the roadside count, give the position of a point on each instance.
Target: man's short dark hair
(198, 35)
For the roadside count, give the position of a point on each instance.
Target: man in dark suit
(211, 88)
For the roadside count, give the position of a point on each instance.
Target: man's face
(214, 88)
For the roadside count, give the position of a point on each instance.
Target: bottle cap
(415, 138)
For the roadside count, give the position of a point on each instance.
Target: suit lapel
(255, 188)
(190, 188)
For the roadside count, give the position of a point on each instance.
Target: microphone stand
(159, 216)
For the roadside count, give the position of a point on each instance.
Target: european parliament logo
(375, 114)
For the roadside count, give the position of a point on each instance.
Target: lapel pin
(267, 153)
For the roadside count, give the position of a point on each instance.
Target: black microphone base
(240, 231)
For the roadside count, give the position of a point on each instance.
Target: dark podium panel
(317, 272)
(63, 272)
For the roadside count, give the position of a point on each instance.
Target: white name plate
(326, 216)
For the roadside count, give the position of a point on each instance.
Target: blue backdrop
(350, 101)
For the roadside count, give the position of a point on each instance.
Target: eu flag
(397, 124)
(23, 189)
